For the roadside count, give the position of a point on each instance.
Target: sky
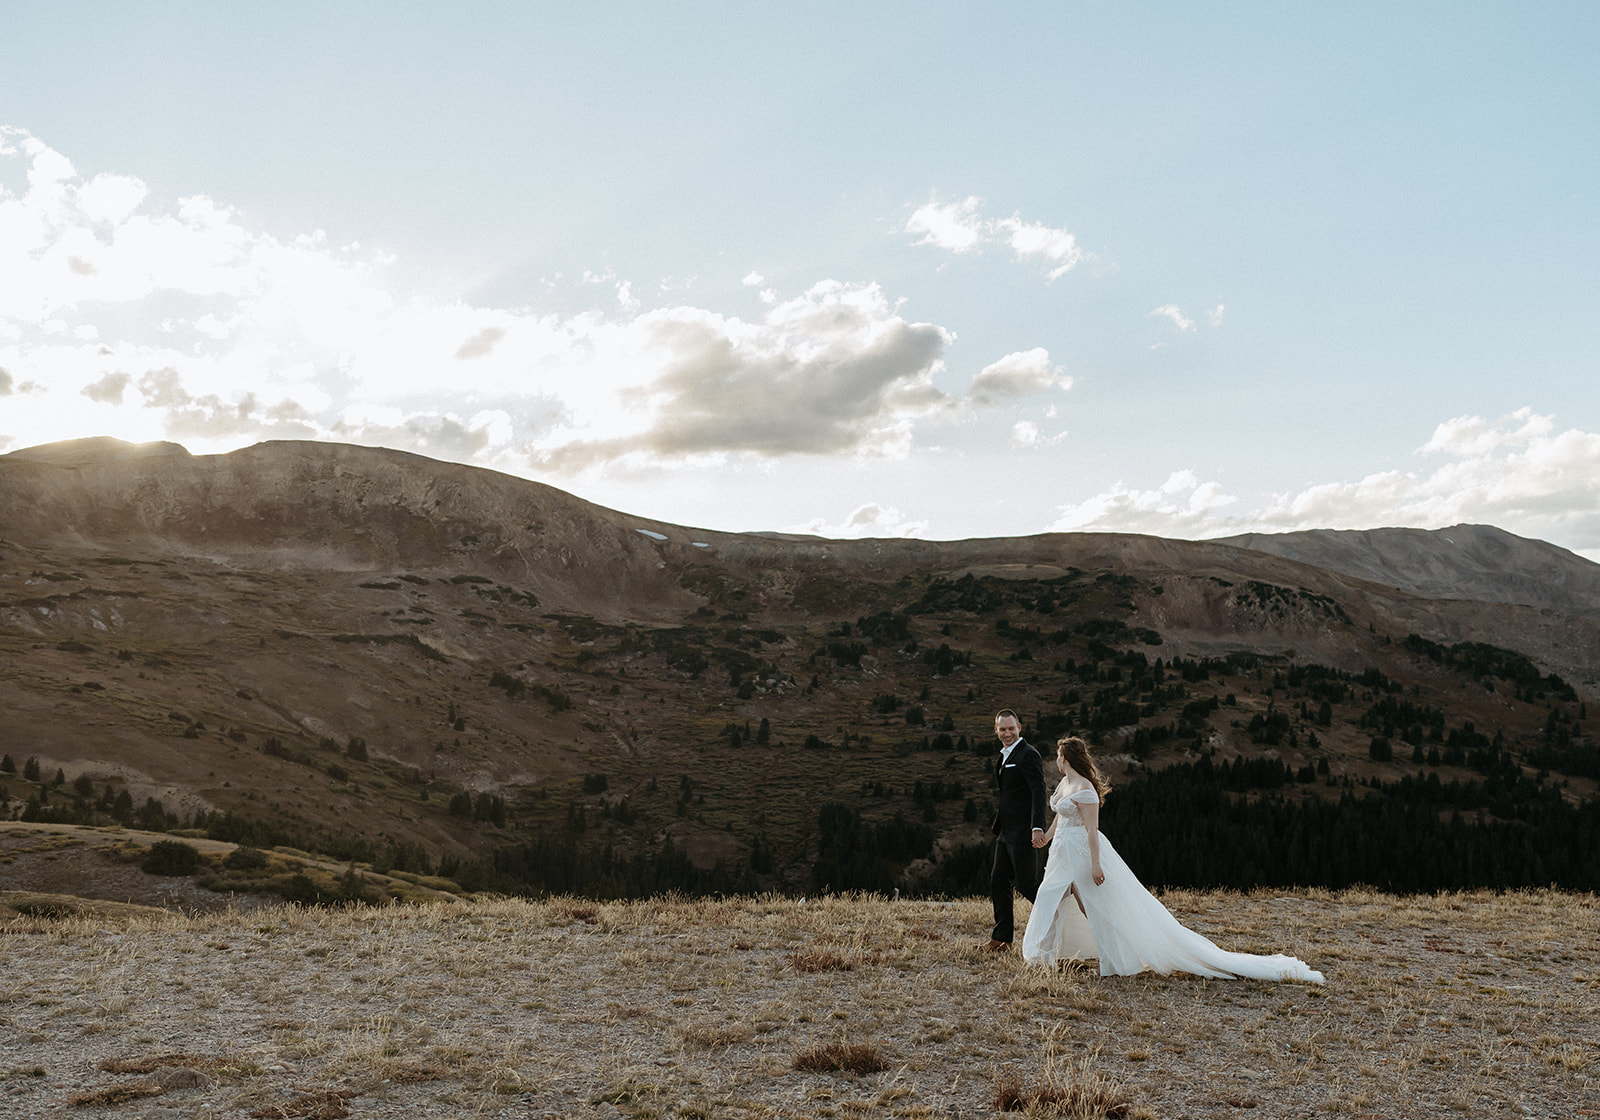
(941, 270)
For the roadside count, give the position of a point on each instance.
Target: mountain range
(358, 642)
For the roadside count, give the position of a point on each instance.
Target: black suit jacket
(1022, 799)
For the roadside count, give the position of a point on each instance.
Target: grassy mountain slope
(387, 656)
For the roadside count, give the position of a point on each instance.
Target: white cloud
(626, 299)
(1024, 433)
(481, 343)
(184, 323)
(1030, 239)
(1179, 319)
(1516, 472)
(753, 280)
(870, 520)
(1183, 506)
(109, 389)
(1215, 314)
(1015, 375)
(952, 225)
(834, 370)
(1473, 435)
(957, 227)
(110, 199)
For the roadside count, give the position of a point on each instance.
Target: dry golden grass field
(1471, 1005)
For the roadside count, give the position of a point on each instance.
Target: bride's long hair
(1076, 752)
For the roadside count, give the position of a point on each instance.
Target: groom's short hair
(1003, 713)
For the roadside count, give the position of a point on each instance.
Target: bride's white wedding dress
(1126, 927)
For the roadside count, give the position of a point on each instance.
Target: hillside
(1473, 562)
(434, 667)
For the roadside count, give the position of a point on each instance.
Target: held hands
(1040, 838)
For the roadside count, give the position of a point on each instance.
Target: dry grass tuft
(1078, 1090)
(819, 960)
(708, 1037)
(1076, 1099)
(412, 1073)
(115, 1094)
(627, 1091)
(329, 1104)
(835, 1057)
(150, 1064)
(588, 915)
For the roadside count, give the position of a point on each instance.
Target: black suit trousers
(1016, 866)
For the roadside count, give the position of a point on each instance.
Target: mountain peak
(96, 449)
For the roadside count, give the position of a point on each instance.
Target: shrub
(301, 889)
(171, 857)
(501, 679)
(245, 859)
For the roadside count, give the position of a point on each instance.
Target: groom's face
(1007, 730)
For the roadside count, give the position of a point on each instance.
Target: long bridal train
(1121, 923)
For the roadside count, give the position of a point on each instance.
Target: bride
(1091, 905)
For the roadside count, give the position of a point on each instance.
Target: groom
(1019, 818)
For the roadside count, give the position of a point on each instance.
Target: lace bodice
(1066, 804)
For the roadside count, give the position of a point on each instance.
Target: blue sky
(943, 270)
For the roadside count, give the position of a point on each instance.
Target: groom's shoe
(996, 946)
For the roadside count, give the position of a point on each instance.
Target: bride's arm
(1091, 827)
(1049, 833)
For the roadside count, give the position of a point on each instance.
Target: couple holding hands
(1089, 905)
